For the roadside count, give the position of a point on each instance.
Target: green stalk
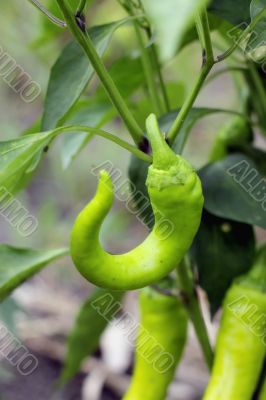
(208, 62)
(86, 43)
(157, 67)
(109, 136)
(147, 63)
(48, 14)
(207, 38)
(191, 302)
(207, 66)
(243, 36)
(260, 91)
(188, 104)
(82, 5)
(148, 71)
(199, 30)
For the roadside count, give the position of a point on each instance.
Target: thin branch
(207, 37)
(260, 94)
(48, 14)
(207, 66)
(158, 69)
(111, 89)
(242, 36)
(109, 136)
(81, 6)
(147, 64)
(208, 62)
(199, 29)
(188, 104)
(148, 71)
(191, 302)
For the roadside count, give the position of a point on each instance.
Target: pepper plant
(212, 213)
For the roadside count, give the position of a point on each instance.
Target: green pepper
(234, 133)
(241, 343)
(176, 197)
(164, 321)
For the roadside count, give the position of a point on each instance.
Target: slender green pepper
(235, 132)
(176, 197)
(165, 320)
(241, 343)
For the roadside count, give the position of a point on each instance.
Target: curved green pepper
(165, 320)
(176, 197)
(235, 132)
(241, 343)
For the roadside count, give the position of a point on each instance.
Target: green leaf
(89, 325)
(234, 11)
(234, 189)
(26, 178)
(71, 74)
(258, 156)
(18, 265)
(97, 111)
(8, 313)
(85, 113)
(17, 156)
(171, 19)
(223, 250)
(257, 41)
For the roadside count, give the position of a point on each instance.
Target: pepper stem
(163, 156)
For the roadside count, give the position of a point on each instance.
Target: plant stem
(160, 77)
(86, 43)
(260, 92)
(47, 13)
(199, 30)
(191, 302)
(146, 61)
(130, 9)
(207, 38)
(178, 123)
(82, 5)
(208, 62)
(207, 66)
(221, 47)
(148, 71)
(109, 136)
(201, 330)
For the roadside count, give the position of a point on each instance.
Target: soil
(41, 385)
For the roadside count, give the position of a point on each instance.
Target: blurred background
(42, 312)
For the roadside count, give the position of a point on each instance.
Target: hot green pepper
(241, 343)
(164, 321)
(176, 198)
